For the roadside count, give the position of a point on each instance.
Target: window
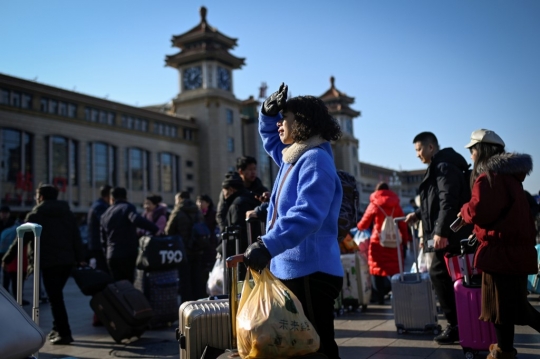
(101, 165)
(137, 169)
(62, 108)
(72, 110)
(188, 134)
(53, 107)
(230, 144)
(189, 177)
(164, 129)
(16, 173)
(189, 163)
(230, 117)
(62, 158)
(168, 172)
(134, 123)
(43, 104)
(94, 115)
(4, 96)
(26, 101)
(15, 99)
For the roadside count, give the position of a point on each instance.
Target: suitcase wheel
(469, 354)
(364, 308)
(400, 331)
(437, 330)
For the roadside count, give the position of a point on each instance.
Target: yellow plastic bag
(271, 323)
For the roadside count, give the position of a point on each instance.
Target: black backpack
(348, 213)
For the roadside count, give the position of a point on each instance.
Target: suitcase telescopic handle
(399, 248)
(21, 230)
(29, 227)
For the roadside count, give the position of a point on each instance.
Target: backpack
(200, 236)
(389, 236)
(348, 212)
(7, 237)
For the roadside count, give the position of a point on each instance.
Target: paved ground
(359, 335)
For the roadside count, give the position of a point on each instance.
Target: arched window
(101, 164)
(137, 169)
(17, 170)
(62, 162)
(168, 171)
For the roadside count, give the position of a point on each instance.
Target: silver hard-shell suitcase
(203, 323)
(413, 298)
(206, 322)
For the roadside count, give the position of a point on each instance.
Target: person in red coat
(383, 261)
(505, 229)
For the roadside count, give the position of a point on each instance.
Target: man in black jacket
(246, 167)
(442, 193)
(119, 237)
(95, 250)
(238, 201)
(61, 249)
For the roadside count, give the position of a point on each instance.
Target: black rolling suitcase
(161, 290)
(89, 280)
(123, 310)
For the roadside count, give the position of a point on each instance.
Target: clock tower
(346, 148)
(205, 68)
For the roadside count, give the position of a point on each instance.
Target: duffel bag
(89, 280)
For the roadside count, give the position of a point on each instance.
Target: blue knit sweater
(303, 239)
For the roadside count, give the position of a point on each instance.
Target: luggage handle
(400, 258)
(21, 230)
(232, 283)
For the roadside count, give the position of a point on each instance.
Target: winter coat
(502, 219)
(93, 221)
(181, 220)
(60, 240)
(303, 239)
(442, 193)
(238, 204)
(158, 216)
(119, 226)
(8, 236)
(383, 261)
(209, 255)
(255, 189)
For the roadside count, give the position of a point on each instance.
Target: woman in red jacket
(383, 261)
(505, 228)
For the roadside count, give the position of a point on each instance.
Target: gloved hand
(257, 256)
(276, 102)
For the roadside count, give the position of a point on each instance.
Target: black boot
(449, 335)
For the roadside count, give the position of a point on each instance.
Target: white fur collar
(292, 153)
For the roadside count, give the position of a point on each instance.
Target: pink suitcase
(474, 335)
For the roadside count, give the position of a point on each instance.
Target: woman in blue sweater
(302, 221)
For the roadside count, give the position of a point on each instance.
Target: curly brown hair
(311, 119)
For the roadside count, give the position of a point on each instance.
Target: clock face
(192, 78)
(224, 79)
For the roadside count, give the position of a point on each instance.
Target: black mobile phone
(457, 224)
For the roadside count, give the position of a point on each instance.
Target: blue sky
(446, 66)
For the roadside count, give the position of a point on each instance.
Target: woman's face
(474, 154)
(285, 128)
(148, 205)
(203, 205)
